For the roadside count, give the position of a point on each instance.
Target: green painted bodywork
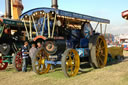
(8, 59)
(1, 30)
(13, 22)
(9, 23)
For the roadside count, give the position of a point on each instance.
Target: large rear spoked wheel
(70, 62)
(98, 51)
(38, 62)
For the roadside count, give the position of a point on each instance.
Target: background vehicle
(11, 34)
(125, 45)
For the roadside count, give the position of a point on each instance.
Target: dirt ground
(116, 74)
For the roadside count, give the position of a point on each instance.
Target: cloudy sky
(109, 9)
(1, 13)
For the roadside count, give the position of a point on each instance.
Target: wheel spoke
(102, 48)
(102, 54)
(100, 42)
(67, 68)
(72, 71)
(97, 43)
(97, 53)
(100, 59)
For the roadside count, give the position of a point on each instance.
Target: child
(25, 52)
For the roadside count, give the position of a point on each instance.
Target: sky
(108, 9)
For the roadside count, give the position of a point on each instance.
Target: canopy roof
(67, 14)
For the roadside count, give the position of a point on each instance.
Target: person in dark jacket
(25, 54)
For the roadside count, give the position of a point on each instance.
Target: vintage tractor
(67, 39)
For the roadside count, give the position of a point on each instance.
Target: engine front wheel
(38, 62)
(70, 62)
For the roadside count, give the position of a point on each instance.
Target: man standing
(39, 45)
(25, 52)
(32, 51)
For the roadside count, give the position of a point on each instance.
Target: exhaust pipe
(8, 9)
(17, 8)
(54, 4)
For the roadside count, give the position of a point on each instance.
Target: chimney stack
(8, 9)
(54, 4)
(17, 8)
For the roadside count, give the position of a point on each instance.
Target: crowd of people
(28, 54)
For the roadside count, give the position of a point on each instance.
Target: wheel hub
(43, 61)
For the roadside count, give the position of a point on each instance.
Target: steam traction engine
(11, 39)
(67, 38)
(11, 35)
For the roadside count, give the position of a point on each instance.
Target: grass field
(116, 74)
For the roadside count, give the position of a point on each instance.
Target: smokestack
(8, 9)
(17, 8)
(54, 4)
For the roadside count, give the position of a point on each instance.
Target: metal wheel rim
(72, 63)
(101, 51)
(39, 62)
(18, 61)
(3, 65)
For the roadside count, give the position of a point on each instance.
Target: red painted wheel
(17, 61)
(3, 66)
